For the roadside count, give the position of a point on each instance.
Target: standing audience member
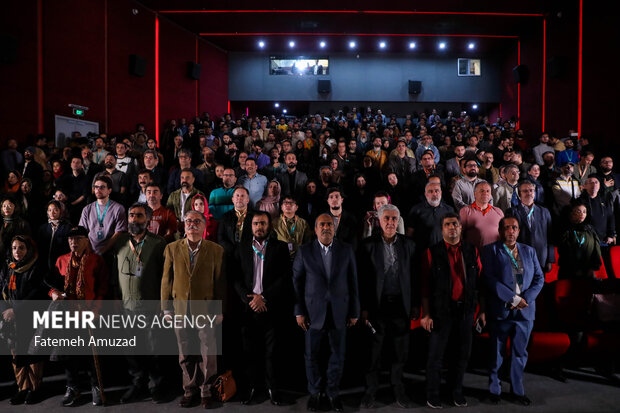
(480, 219)
(290, 227)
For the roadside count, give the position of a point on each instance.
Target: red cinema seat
(552, 275)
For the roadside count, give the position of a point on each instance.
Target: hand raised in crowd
(351, 322)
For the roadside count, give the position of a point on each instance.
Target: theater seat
(615, 259)
(601, 274)
(552, 275)
(572, 303)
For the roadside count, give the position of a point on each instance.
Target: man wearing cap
(80, 275)
(565, 187)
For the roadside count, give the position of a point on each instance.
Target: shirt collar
(325, 248)
(257, 242)
(190, 248)
(453, 247)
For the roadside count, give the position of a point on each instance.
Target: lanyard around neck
(100, 217)
(512, 258)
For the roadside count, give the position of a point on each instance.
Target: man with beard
(345, 226)
(463, 192)
(126, 164)
(185, 162)
(610, 180)
(235, 225)
(505, 194)
(424, 221)
(178, 200)
(119, 179)
(32, 169)
(77, 188)
(104, 218)
(151, 163)
(263, 284)
(293, 182)
(163, 222)
(136, 271)
(453, 165)
(220, 199)
(514, 278)
(90, 168)
(145, 177)
(379, 156)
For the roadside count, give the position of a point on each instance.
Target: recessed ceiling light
(277, 105)
(284, 111)
(474, 106)
(261, 44)
(322, 44)
(471, 46)
(291, 44)
(352, 45)
(382, 45)
(442, 45)
(412, 45)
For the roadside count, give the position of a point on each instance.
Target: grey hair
(431, 183)
(388, 207)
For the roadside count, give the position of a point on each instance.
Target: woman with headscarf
(12, 224)
(200, 204)
(12, 183)
(52, 237)
(270, 202)
(21, 278)
(578, 246)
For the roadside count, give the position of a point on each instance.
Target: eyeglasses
(100, 187)
(193, 221)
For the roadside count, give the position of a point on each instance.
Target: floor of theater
(584, 392)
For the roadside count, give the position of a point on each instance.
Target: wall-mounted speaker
(520, 74)
(415, 87)
(325, 86)
(137, 65)
(193, 70)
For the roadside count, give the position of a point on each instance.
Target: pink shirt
(480, 229)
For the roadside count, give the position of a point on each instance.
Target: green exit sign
(78, 112)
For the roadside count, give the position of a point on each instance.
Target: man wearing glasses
(193, 277)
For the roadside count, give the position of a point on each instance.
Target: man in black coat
(345, 223)
(236, 224)
(389, 300)
(450, 278)
(326, 302)
(263, 283)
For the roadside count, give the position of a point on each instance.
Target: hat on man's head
(31, 149)
(78, 231)
(564, 163)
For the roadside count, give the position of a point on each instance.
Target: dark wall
(367, 78)
(86, 48)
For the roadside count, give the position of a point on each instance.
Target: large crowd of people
(321, 223)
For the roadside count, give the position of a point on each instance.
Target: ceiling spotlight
(277, 105)
(442, 45)
(352, 45)
(291, 44)
(284, 110)
(322, 44)
(412, 45)
(382, 45)
(261, 44)
(474, 106)
(471, 46)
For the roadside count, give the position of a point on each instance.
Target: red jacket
(95, 275)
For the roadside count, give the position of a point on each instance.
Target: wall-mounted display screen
(299, 66)
(469, 67)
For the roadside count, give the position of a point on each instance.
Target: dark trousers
(391, 323)
(259, 334)
(146, 365)
(74, 364)
(337, 344)
(454, 333)
(197, 358)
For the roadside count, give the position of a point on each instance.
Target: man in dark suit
(534, 224)
(292, 182)
(388, 300)
(263, 284)
(514, 279)
(326, 302)
(236, 224)
(345, 223)
(450, 278)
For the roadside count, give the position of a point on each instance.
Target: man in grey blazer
(327, 301)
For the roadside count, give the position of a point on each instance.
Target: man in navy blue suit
(514, 279)
(327, 301)
(534, 224)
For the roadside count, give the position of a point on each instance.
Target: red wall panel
(74, 60)
(18, 116)
(131, 98)
(177, 92)
(214, 80)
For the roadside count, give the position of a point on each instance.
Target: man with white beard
(424, 220)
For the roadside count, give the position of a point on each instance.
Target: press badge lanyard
(515, 264)
(291, 231)
(259, 253)
(133, 249)
(580, 240)
(105, 211)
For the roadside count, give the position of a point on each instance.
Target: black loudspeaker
(415, 87)
(325, 86)
(520, 74)
(556, 66)
(137, 65)
(8, 49)
(193, 70)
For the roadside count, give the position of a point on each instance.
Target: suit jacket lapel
(318, 257)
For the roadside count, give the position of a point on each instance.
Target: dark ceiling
(492, 25)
